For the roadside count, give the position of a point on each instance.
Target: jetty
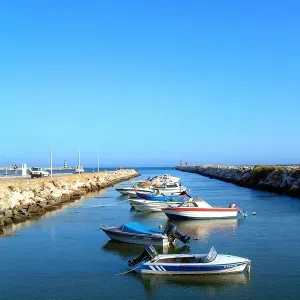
(21, 200)
(277, 179)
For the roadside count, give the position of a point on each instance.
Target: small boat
(166, 187)
(151, 206)
(184, 264)
(136, 233)
(170, 188)
(160, 196)
(163, 178)
(197, 208)
(131, 191)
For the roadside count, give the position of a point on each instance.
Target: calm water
(65, 256)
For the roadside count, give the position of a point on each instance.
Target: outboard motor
(172, 233)
(149, 253)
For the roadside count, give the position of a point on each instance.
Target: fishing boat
(197, 208)
(184, 264)
(137, 233)
(160, 196)
(152, 206)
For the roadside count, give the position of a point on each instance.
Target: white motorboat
(184, 264)
(150, 205)
(131, 191)
(197, 208)
(165, 187)
(164, 178)
(170, 189)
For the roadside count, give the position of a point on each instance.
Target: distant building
(65, 164)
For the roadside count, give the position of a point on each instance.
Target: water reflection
(60, 209)
(211, 283)
(203, 228)
(126, 251)
(149, 216)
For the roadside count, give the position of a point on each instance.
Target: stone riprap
(278, 179)
(23, 200)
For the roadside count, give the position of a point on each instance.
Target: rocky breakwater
(23, 200)
(278, 179)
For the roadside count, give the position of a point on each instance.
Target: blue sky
(150, 82)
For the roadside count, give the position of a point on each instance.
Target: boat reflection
(211, 283)
(203, 228)
(149, 216)
(126, 251)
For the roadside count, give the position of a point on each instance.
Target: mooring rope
(128, 271)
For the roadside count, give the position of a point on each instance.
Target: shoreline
(24, 200)
(275, 179)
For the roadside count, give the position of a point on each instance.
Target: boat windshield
(212, 254)
(188, 204)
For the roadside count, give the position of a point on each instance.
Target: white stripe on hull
(225, 271)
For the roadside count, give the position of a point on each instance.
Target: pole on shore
(78, 158)
(98, 164)
(51, 162)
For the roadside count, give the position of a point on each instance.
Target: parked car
(38, 172)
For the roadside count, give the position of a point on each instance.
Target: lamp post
(51, 162)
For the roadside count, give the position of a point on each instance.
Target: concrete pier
(278, 179)
(26, 199)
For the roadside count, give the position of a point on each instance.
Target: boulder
(19, 218)
(65, 198)
(33, 209)
(44, 193)
(75, 196)
(39, 200)
(28, 194)
(7, 221)
(15, 198)
(7, 213)
(49, 186)
(56, 194)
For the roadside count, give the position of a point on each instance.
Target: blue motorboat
(161, 197)
(137, 233)
(149, 262)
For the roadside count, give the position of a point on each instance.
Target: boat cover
(135, 227)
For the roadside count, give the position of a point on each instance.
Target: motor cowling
(149, 253)
(172, 233)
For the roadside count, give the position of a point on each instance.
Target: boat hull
(200, 214)
(129, 191)
(141, 239)
(192, 269)
(154, 197)
(151, 206)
